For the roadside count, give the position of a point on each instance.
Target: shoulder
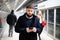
(14, 15)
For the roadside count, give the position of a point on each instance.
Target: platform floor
(44, 35)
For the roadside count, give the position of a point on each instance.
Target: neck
(29, 17)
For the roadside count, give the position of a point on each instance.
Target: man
(28, 25)
(11, 19)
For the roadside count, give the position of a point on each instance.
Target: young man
(11, 20)
(28, 25)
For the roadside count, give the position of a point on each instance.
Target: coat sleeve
(15, 19)
(39, 27)
(7, 20)
(19, 28)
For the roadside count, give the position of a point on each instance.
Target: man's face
(29, 11)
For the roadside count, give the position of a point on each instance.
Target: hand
(34, 29)
(28, 30)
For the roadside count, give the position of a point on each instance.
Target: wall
(48, 4)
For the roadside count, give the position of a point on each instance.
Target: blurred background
(49, 8)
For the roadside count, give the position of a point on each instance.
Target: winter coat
(22, 25)
(11, 19)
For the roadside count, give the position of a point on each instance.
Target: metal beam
(16, 3)
(21, 4)
(55, 23)
(47, 19)
(8, 6)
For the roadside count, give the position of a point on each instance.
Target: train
(51, 11)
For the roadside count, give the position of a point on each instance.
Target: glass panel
(51, 15)
(58, 23)
(45, 14)
(51, 22)
(46, 19)
(51, 28)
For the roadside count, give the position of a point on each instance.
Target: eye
(28, 10)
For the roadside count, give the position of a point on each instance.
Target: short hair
(12, 11)
(30, 6)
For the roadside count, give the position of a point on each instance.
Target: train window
(51, 29)
(58, 15)
(51, 21)
(58, 23)
(45, 14)
(51, 15)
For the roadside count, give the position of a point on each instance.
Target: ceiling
(8, 5)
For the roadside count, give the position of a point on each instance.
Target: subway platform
(49, 8)
(44, 35)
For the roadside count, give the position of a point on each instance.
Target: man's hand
(28, 30)
(34, 29)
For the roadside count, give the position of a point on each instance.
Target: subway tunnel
(49, 8)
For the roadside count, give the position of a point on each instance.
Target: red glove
(43, 23)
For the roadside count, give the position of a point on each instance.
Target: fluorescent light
(21, 4)
(16, 3)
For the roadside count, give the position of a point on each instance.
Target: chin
(30, 15)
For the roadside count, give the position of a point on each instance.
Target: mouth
(29, 15)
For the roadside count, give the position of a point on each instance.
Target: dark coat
(11, 19)
(21, 28)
